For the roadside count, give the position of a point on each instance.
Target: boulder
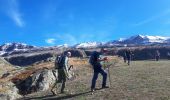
(39, 81)
(77, 53)
(10, 92)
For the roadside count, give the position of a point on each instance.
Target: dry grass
(3, 90)
(142, 80)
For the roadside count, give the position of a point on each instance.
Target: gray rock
(39, 81)
(11, 92)
(77, 53)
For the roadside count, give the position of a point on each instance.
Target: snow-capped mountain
(167, 41)
(21, 48)
(139, 40)
(88, 45)
(14, 47)
(131, 41)
(63, 46)
(144, 39)
(18, 48)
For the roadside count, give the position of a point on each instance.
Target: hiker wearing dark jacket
(95, 60)
(168, 55)
(157, 55)
(128, 55)
(62, 72)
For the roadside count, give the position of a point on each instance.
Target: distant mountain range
(131, 41)
(137, 40)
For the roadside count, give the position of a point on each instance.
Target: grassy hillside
(142, 80)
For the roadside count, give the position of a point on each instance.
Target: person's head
(68, 54)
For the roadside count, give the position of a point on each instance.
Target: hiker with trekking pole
(61, 64)
(95, 60)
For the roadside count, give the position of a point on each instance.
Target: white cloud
(14, 13)
(50, 41)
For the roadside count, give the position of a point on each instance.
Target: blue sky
(55, 22)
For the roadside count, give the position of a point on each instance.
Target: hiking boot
(105, 87)
(53, 92)
(64, 91)
(92, 90)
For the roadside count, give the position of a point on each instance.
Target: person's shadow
(53, 97)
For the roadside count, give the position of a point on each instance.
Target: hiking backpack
(59, 61)
(92, 58)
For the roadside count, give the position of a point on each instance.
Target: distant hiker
(128, 55)
(124, 57)
(168, 55)
(95, 60)
(157, 55)
(61, 63)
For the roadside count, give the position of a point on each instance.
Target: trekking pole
(109, 76)
(108, 72)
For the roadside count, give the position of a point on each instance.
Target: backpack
(92, 59)
(59, 62)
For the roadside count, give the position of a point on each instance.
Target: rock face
(5, 66)
(10, 92)
(28, 59)
(77, 53)
(39, 81)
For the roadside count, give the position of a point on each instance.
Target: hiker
(128, 55)
(62, 71)
(157, 55)
(95, 60)
(124, 57)
(168, 55)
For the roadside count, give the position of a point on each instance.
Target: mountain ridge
(136, 40)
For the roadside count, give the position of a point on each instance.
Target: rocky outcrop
(5, 67)
(39, 81)
(9, 92)
(28, 59)
(77, 53)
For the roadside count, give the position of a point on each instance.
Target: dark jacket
(96, 64)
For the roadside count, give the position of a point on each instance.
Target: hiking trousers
(61, 79)
(95, 76)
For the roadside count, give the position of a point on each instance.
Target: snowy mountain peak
(146, 39)
(88, 44)
(14, 47)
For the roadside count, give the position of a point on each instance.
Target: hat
(69, 53)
